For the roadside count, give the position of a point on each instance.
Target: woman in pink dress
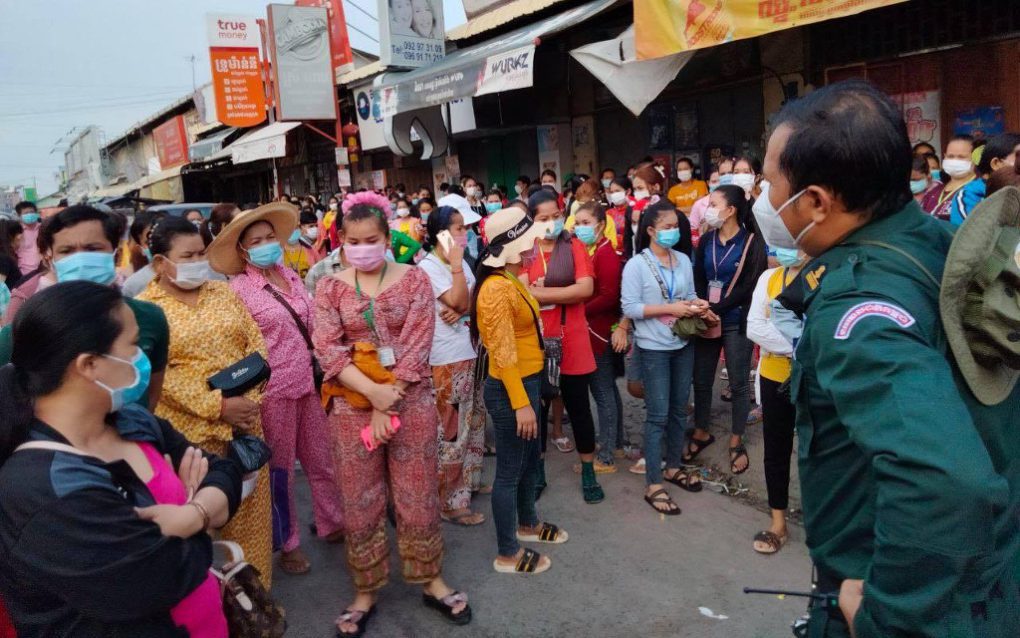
(373, 333)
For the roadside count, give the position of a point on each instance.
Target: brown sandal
(295, 562)
(662, 497)
(773, 540)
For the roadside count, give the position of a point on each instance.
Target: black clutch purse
(240, 377)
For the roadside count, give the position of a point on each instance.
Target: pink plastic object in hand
(369, 440)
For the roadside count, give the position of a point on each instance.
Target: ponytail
(15, 412)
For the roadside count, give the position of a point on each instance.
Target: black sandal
(735, 453)
(357, 617)
(446, 604)
(699, 446)
(683, 480)
(661, 496)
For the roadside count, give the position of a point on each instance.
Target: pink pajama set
(294, 422)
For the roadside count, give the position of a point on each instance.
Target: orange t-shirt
(578, 357)
(684, 195)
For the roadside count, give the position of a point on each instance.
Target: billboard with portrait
(412, 32)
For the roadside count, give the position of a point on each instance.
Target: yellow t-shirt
(610, 231)
(683, 196)
(776, 367)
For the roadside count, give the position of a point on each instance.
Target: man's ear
(818, 203)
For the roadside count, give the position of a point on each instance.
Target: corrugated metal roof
(361, 73)
(498, 17)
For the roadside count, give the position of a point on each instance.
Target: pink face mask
(365, 256)
(461, 240)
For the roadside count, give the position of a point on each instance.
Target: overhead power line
(358, 7)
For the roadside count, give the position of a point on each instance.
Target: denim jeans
(513, 490)
(738, 364)
(607, 404)
(667, 378)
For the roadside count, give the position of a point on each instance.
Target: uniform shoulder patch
(814, 277)
(883, 309)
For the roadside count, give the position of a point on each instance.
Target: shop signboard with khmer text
(236, 69)
(665, 27)
(171, 143)
(412, 32)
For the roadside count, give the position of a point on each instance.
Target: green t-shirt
(153, 337)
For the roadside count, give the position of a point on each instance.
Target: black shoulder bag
(317, 373)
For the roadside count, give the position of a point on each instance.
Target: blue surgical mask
(148, 253)
(726, 179)
(492, 207)
(586, 234)
(294, 236)
(415, 200)
(936, 175)
(136, 390)
(787, 257)
(712, 187)
(87, 266)
(30, 218)
(667, 238)
(554, 231)
(606, 183)
(266, 255)
(918, 186)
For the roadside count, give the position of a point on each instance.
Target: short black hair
(308, 217)
(22, 206)
(524, 179)
(851, 138)
(920, 164)
(540, 196)
(687, 160)
(455, 189)
(113, 225)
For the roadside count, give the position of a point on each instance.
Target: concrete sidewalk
(626, 571)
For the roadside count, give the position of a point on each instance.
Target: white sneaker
(638, 468)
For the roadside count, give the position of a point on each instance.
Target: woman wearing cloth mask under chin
(210, 329)
(374, 324)
(777, 331)
(730, 258)
(658, 289)
(292, 417)
(504, 318)
(105, 507)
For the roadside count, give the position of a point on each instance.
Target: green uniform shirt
(907, 481)
(153, 337)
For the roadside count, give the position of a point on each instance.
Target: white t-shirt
(450, 344)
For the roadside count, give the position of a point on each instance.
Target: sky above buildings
(67, 64)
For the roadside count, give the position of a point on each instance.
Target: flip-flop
(530, 562)
(736, 452)
(295, 566)
(357, 617)
(458, 519)
(446, 604)
(682, 480)
(563, 444)
(661, 496)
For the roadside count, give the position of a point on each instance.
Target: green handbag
(688, 327)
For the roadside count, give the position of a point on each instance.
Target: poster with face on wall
(413, 32)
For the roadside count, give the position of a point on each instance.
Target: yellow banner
(664, 27)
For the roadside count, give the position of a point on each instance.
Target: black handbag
(317, 374)
(248, 451)
(236, 379)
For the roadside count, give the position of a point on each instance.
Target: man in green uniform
(910, 483)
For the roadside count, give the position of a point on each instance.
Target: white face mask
(191, 275)
(641, 194)
(773, 228)
(957, 167)
(744, 180)
(518, 188)
(713, 219)
(685, 176)
(472, 191)
(617, 198)
(312, 233)
(403, 212)
(333, 206)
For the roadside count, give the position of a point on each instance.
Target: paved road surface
(625, 572)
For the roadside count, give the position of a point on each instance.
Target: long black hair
(651, 215)
(438, 221)
(735, 197)
(53, 327)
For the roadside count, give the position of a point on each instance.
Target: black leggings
(778, 422)
(574, 392)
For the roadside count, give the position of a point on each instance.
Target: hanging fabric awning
(503, 64)
(264, 143)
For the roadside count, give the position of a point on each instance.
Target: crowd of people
(396, 325)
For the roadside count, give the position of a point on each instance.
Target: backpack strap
(655, 273)
(50, 445)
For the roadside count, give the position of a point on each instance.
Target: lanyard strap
(715, 263)
(369, 314)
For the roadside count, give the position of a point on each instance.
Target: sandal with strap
(446, 604)
(547, 533)
(685, 480)
(661, 496)
(698, 445)
(355, 617)
(593, 494)
(736, 453)
(774, 541)
(530, 562)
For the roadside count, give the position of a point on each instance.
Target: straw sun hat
(226, 256)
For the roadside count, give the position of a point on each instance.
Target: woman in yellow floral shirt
(210, 329)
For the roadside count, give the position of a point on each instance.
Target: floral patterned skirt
(461, 432)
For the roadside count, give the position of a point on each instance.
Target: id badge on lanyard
(715, 288)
